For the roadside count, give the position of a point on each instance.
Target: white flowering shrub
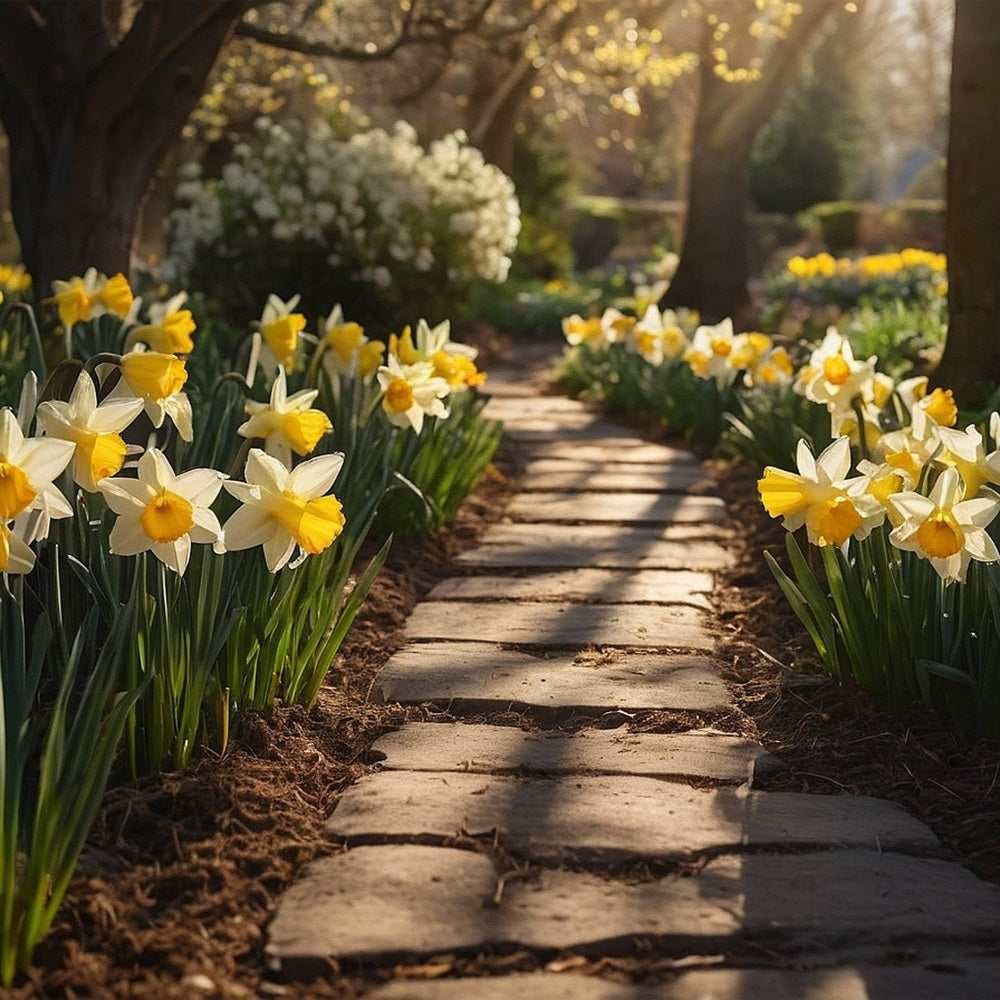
(373, 221)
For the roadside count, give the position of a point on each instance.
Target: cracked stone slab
(637, 508)
(957, 978)
(482, 749)
(379, 904)
(549, 623)
(673, 478)
(585, 585)
(472, 676)
(597, 545)
(614, 818)
(618, 448)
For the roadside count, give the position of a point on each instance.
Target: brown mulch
(183, 870)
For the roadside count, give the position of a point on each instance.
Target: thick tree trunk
(972, 353)
(714, 269)
(90, 116)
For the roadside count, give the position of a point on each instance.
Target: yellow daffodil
(163, 513)
(27, 468)
(885, 481)
(343, 343)
(458, 370)
(837, 379)
(286, 423)
(775, 369)
(157, 379)
(116, 296)
(94, 430)
(280, 328)
(578, 330)
(370, 358)
(748, 350)
(402, 348)
(948, 531)
(820, 496)
(964, 450)
(411, 392)
(284, 510)
(615, 325)
(169, 329)
(81, 299)
(708, 353)
(656, 336)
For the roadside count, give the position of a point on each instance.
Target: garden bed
(176, 887)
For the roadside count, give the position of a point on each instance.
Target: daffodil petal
(248, 527)
(127, 537)
(278, 550)
(313, 478)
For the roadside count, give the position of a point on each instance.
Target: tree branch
(417, 28)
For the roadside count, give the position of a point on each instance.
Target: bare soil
(175, 889)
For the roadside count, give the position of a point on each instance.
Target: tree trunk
(90, 117)
(714, 269)
(972, 352)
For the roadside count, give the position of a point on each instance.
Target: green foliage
(813, 148)
(59, 734)
(530, 307)
(885, 620)
(545, 177)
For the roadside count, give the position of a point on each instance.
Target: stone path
(582, 840)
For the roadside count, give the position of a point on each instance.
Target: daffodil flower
(286, 423)
(709, 350)
(945, 529)
(937, 405)
(343, 341)
(81, 299)
(656, 336)
(94, 430)
(458, 370)
(285, 509)
(837, 378)
(280, 328)
(578, 330)
(833, 507)
(411, 392)
(27, 468)
(157, 379)
(965, 451)
(15, 556)
(169, 329)
(402, 348)
(616, 325)
(162, 512)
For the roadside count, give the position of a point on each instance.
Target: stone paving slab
(548, 623)
(482, 749)
(956, 978)
(620, 478)
(586, 586)
(380, 903)
(620, 447)
(473, 676)
(637, 508)
(582, 429)
(598, 545)
(553, 424)
(614, 818)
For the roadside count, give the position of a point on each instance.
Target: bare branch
(419, 26)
